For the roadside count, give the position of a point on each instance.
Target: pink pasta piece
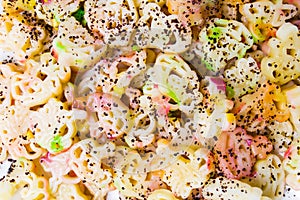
(235, 152)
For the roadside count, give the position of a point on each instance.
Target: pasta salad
(149, 99)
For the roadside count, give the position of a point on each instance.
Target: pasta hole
(123, 66)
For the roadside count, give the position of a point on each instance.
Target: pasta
(149, 99)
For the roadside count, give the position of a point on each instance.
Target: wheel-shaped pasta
(281, 135)
(196, 164)
(269, 176)
(173, 77)
(27, 39)
(255, 111)
(229, 189)
(237, 157)
(143, 130)
(242, 78)
(129, 172)
(269, 12)
(112, 77)
(15, 133)
(86, 161)
(24, 179)
(282, 62)
(70, 191)
(113, 115)
(113, 19)
(230, 8)
(75, 47)
(291, 165)
(56, 133)
(222, 40)
(41, 81)
(157, 30)
(162, 194)
(53, 12)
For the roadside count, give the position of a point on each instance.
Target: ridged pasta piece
(162, 194)
(255, 111)
(268, 175)
(281, 135)
(292, 97)
(282, 61)
(174, 79)
(235, 152)
(86, 161)
(40, 81)
(222, 40)
(56, 133)
(53, 12)
(75, 47)
(242, 78)
(70, 191)
(27, 38)
(190, 170)
(269, 12)
(291, 165)
(157, 30)
(229, 189)
(15, 133)
(113, 19)
(25, 181)
(17, 6)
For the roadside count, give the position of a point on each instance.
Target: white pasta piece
(291, 165)
(243, 77)
(75, 47)
(282, 63)
(281, 136)
(161, 194)
(16, 137)
(69, 191)
(19, 39)
(113, 19)
(174, 79)
(157, 30)
(41, 81)
(269, 12)
(269, 176)
(222, 40)
(143, 130)
(86, 161)
(56, 133)
(26, 181)
(229, 189)
(113, 116)
(53, 12)
(129, 172)
(188, 173)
